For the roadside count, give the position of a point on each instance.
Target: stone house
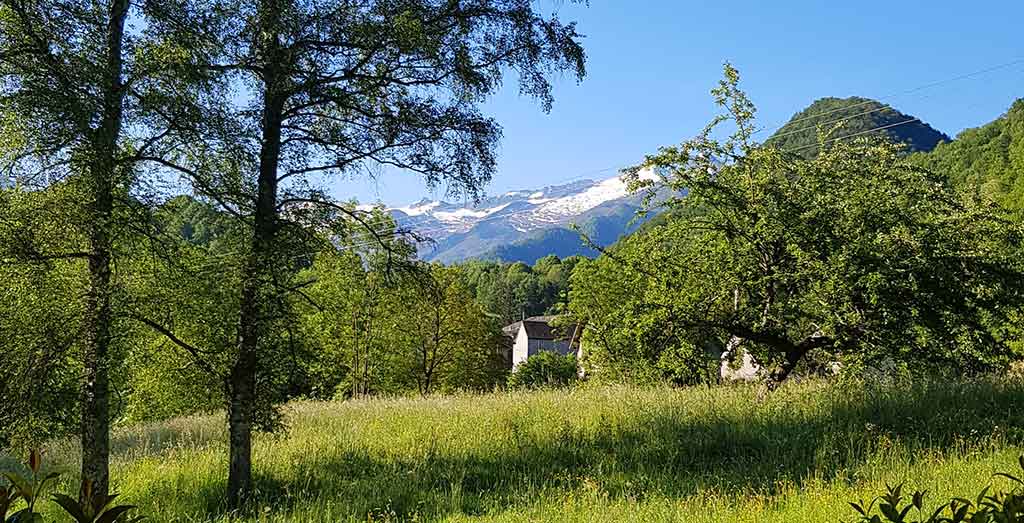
(533, 335)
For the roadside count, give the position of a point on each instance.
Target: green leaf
(935, 515)
(72, 507)
(111, 516)
(903, 513)
(1008, 476)
(890, 512)
(960, 514)
(22, 484)
(981, 495)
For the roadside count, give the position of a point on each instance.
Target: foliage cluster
(544, 369)
(988, 159)
(987, 507)
(852, 255)
(30, 489)
(513, 291)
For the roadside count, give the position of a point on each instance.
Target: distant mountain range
(525, 225)
(529, 224)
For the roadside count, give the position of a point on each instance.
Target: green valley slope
(607, 454)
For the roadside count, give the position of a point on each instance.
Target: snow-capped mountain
(535, 220)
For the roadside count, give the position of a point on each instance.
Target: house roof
(537, 328)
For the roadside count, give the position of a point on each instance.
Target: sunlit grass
(592, 454)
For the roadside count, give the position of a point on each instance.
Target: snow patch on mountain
(463, 214)
(514, 214)
(422, 207)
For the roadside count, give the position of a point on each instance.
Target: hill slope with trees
(854, 116)
(989, 158)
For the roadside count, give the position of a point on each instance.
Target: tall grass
(591, 454)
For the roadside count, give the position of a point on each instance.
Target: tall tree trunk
(102, 172)
(257, 267)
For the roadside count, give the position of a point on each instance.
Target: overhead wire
(372, 237)
(439, 227)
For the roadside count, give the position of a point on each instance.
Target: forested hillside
(853, 117)
(989, 158)
(594, 230)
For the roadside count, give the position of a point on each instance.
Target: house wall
(520, 349)
(561, 347)
(745, 369)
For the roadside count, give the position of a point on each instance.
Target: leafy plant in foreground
(98, 510)
(1002, 507)
(8, 495)
(28, 489)
(95, 509)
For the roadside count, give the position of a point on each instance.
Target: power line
(904, 93)
(364, 239)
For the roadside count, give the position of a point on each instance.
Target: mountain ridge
(854, 116)
(527, 224)
(499, 227)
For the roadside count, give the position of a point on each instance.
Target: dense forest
(989, 159)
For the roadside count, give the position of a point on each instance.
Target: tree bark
(792, 356)
(258, 264)
(102, 172)
(782, 370)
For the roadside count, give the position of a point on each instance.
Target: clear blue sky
(652, 63)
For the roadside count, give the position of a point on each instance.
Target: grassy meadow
(610, 453)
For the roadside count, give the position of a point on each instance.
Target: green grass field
(590, 454)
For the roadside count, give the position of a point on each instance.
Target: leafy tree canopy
(851, 253)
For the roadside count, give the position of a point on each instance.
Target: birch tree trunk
(102, 172)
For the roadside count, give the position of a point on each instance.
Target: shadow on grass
(774, 444)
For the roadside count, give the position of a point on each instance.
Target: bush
(544, 369)
(31, 488)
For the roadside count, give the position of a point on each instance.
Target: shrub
(31, 488)
(986, 507)
(544, 369)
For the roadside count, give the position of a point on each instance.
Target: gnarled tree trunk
(792, 355)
